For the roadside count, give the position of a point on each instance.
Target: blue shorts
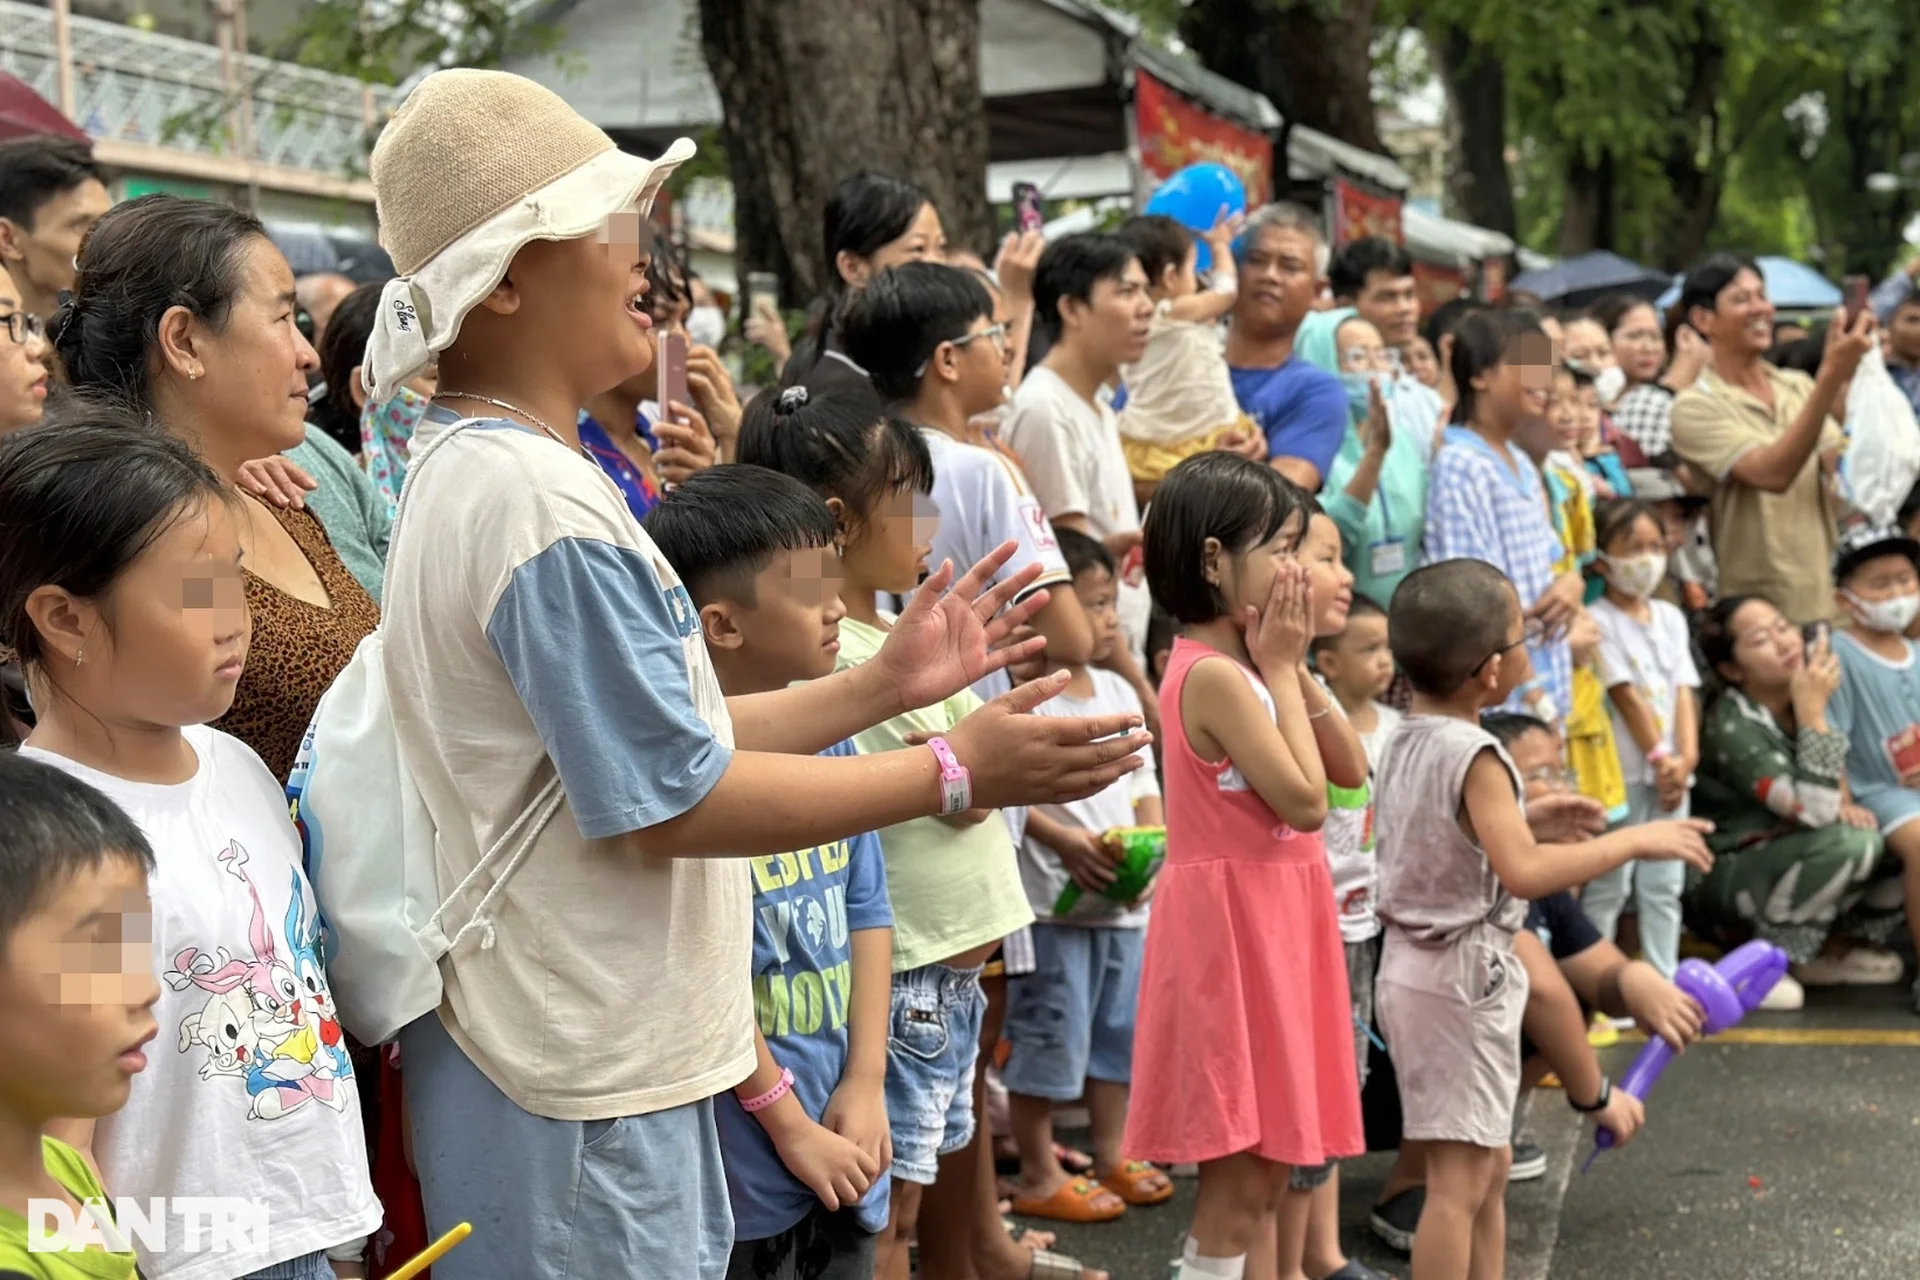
(933, 1042)
(1892, 807)
(560, 1199)
(1071, 1020)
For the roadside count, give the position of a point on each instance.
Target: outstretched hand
(948, 638)
(1565, 817)
(1018, 758)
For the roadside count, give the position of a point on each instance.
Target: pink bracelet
(771, 1096)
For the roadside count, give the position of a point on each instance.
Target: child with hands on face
(1257, 1080)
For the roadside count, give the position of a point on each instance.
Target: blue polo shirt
(1300, 407)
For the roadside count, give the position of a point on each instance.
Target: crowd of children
(847, 712)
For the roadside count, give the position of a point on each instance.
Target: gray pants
(638, 1196)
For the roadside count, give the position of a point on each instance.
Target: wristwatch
(1600, 1104)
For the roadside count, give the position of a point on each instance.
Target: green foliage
(1702, 104)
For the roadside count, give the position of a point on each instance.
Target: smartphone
(673, 372)
(763, 293)
(1857, 289)
(1816, 634)
(1027, 215)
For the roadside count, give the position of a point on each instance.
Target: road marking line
(1533, 1230)
(1824, 1036)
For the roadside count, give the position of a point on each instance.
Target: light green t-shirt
(953, 888)
(70, 1170)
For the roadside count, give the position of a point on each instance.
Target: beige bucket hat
(473, 166)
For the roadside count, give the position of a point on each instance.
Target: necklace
(502, 404)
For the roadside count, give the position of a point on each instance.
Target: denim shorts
(1071, 1020)
(933, 1041)
(312, 1266)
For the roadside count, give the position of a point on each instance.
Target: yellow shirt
(1592, 752)
(69, 1169)
(1775, 545)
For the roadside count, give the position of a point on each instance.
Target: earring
(79, 655)
(194, 373)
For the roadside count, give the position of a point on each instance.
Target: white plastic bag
(1883, 447)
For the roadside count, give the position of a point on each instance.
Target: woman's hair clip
(63, 313)
(792, 399)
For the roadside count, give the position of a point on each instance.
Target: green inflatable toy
(1141, 850)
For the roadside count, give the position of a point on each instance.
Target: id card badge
(1387, 556)
(1903, 751)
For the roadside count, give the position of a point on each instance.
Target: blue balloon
(1197, 197)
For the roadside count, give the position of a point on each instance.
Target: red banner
(1437, 286)
(1358, 213)
(1174, 133)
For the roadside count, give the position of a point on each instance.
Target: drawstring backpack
(369, 842)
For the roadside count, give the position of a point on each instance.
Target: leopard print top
(297, 650)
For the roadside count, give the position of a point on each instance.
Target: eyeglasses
(1779, 629)
(996, 334)
(22, 327)
(1556, 777)
(1365, 360)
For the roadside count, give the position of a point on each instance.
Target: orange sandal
(1135, 1182)
(1077, 1200)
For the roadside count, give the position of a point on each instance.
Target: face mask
(1894, 615)
(1356, 385)
(707, 326)
(1636, 576)
(1609, 383)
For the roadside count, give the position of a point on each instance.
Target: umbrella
(1588, 277)
(1793, 285)
(24, 112)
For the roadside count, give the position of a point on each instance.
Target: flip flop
(1073, 1161)
(1134, 1182)
(1057, 1266)
(1074, 1201)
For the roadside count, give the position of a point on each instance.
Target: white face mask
(707, 326)
(1609, 383)
(1636, 576)
(1893, 616)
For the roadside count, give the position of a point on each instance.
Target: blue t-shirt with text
(806, 907)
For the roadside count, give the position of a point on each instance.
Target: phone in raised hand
(1857, 289)
(763, 294)
(1816, 634)
(673, 373)
(1027, 214)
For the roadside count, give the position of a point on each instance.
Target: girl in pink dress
(1243, 1045)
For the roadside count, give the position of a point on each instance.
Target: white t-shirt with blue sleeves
(533, 627)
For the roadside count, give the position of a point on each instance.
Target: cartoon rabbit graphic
(271, 1050)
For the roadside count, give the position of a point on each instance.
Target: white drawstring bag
(1883, 444)
(370, 844)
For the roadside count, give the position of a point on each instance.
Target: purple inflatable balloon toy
(1727, 992)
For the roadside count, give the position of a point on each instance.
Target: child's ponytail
(842, 445)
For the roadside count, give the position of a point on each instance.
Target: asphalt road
(1787, 1149)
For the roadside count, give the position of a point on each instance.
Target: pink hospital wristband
(956, 784)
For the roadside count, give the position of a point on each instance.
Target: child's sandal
(1139, 1184)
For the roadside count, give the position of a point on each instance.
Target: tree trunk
(1696, 187)
(1480, 188)
(1316, 69)
(812, 90)
(1587, 218)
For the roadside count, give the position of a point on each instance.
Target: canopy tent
(1793, 285)
(1588, 277)
(24, 112)
(1447, 243)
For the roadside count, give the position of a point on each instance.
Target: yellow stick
(435, 1251)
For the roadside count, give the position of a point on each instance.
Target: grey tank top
(1434, 882)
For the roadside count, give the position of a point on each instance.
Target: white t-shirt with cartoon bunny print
(248, 1091)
